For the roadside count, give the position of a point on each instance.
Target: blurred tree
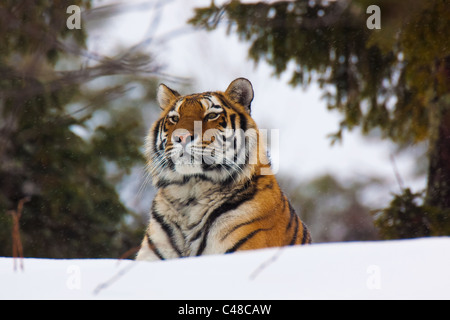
(64, 126)
(407, 216)
(332, 210)
(395, 79)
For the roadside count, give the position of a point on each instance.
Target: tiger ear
(241, 91)
(165, 96)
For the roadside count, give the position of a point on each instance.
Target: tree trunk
(438, 189)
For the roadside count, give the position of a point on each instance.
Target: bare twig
(17, 247)
(397, 174)
(129, 253)
(266, 263)
(120, 273)
(113, 279)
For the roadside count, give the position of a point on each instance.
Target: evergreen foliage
(395, 79)
(63, 124)
(408, 217)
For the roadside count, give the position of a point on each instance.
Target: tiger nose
(183, 138)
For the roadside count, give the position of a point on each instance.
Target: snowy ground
(407, 269)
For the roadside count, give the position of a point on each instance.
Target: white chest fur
(189, 205)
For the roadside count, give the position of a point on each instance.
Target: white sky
(213, 60)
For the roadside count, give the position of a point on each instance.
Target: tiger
(216, 192)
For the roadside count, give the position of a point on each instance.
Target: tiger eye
(212, 116)
(174, 119)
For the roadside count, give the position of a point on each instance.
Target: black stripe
(155, 135)
(241, 225)
(305, 234)
(243, 122)
(155, 250)
(244, 240)
(233, 122)
(236, 151)
(224, 208)
(223, 123)
(231, 178)
(167, 229)
(196, 236)
(225, 113)
(189, 201)
(226, 104)
(165, 183)
(292, 214)
(294, 238)
(223, 101)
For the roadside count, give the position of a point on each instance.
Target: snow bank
(406, 269)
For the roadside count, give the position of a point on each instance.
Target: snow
(403, 269)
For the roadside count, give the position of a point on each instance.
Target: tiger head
(209, 135)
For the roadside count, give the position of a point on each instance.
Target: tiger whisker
(145, 182)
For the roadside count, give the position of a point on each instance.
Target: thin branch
(115, 278)
(17, 248)
(397, 173)
(129, 253)
(266, 264)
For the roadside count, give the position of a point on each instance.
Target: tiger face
(209, 135)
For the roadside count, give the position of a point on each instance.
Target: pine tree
(395, 79)
(61, 132)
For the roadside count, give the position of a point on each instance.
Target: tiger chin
(216, 192)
